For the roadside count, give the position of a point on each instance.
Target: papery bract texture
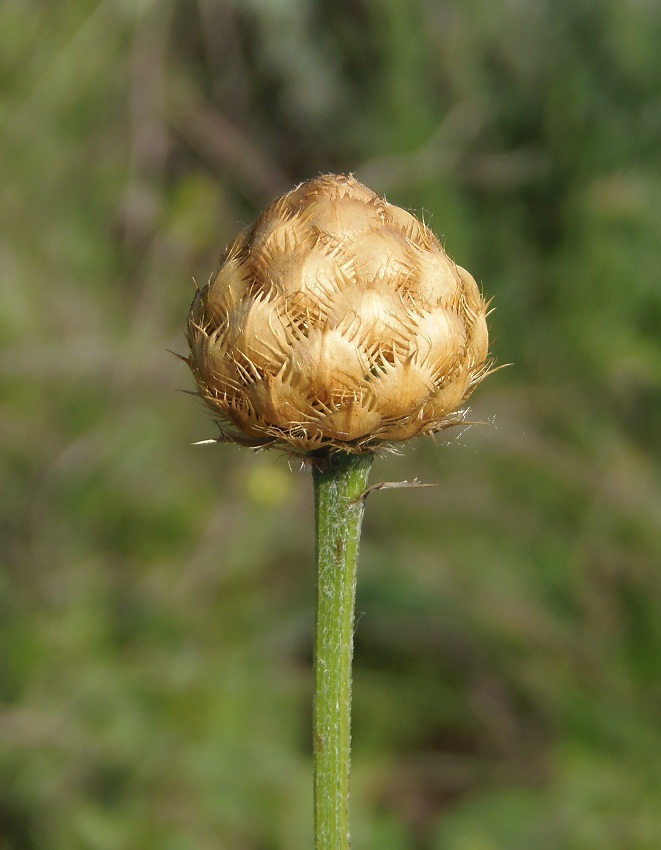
(337, 321)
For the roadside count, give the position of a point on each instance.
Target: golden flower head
(336, 322)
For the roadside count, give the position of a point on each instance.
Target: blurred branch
(57, 85)
(506, 170)
(221, 41)
(447, 151)
(148, 149)
(223, 144)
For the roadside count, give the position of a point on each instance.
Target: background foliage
(156, 598)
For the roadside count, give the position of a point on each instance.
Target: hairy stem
(339, 481)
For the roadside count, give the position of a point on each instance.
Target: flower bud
(336, 322)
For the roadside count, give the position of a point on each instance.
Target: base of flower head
(304, 442)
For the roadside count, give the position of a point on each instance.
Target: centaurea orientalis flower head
(336, 322)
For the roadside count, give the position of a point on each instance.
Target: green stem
(339, 481)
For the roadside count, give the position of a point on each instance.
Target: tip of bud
(336, 322)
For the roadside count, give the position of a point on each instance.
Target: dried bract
(337, 321)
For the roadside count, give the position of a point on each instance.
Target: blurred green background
(156, 599)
